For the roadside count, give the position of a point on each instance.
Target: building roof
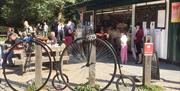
(99, 4)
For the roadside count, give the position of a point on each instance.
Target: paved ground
(169, 74)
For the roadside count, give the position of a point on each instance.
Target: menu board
(161, 19)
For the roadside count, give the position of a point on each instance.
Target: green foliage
(87, 87)
(14, 12)
(31, 87)
(150, 88)
(71, 13)
(2, 38)
(77, 1)
(3, 29)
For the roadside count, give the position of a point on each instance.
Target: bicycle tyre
(79, 50)
(59, 82)
(25, 85)
(124, 81)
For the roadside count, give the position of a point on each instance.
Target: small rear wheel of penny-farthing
(57, 82)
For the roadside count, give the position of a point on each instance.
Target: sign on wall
(152, 25)
(175, 14)
(161, 19)
(148, 49)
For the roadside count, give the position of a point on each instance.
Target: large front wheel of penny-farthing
(24, 57)
(88, 62)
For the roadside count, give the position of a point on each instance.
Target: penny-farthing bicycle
(103, 65)
(88, 56)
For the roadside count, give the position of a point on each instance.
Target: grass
(87, 87)
(31, 87)
(2, 38)
(150, 88)
(3, 29)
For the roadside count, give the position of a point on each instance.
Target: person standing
(69, 29)
(54, 27)
(60, 35)
(45, 29)
(138, 41)
(124, 48)
(28, 29)
(71, 26)
(79, 31)
(39, 29)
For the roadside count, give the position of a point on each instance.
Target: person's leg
(121, 55)
(58, 36)
(133, 49)
(139, 53)
(125, 54)
(46, 33)
(61, 36)
(9, 57)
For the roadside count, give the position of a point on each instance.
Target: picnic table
(22, 55)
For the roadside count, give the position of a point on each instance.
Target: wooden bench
(20, 56)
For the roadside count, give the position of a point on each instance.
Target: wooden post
(133, 30)
(92, 68)
(38, 66)
(23, 55)
(148, 52)
(147, 70)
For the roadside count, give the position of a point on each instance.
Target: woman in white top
(124, 48)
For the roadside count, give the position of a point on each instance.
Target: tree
(13, 12)
(71, 12)
(78, 1)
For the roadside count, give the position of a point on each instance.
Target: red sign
(175, 16)
(148, 49)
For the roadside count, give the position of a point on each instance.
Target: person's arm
(99, 34)
(55, 40)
